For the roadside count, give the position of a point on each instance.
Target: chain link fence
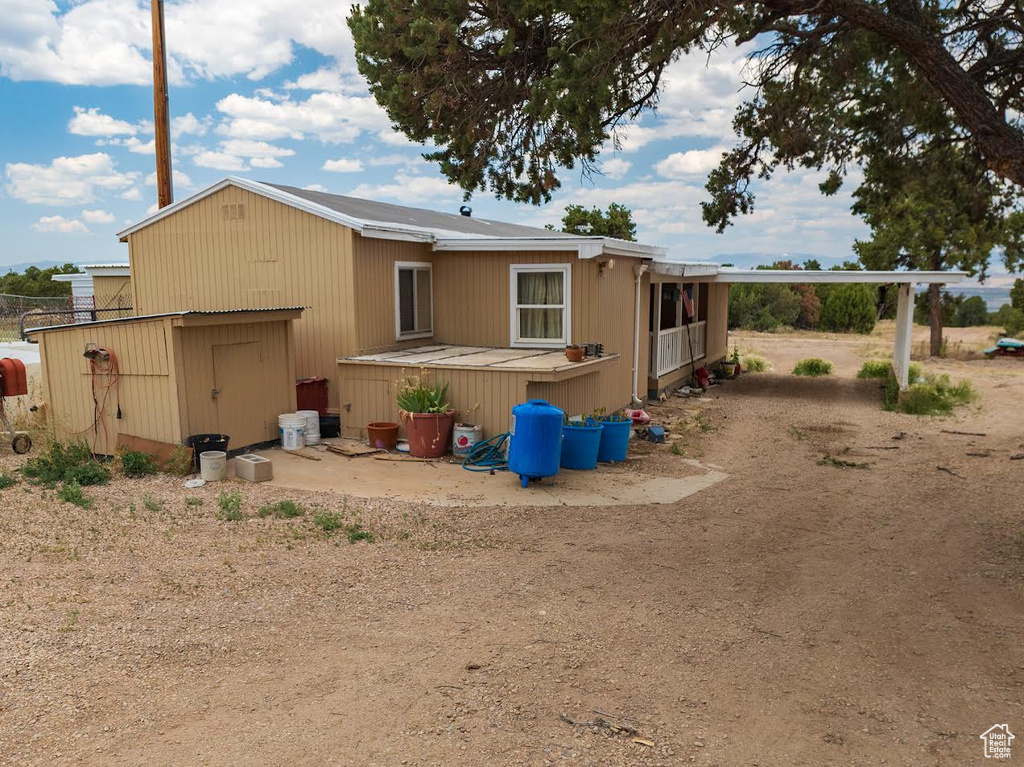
(13, 308)
(20, 312)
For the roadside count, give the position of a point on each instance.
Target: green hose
(488, 455)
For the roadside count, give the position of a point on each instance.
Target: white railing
(670, 350)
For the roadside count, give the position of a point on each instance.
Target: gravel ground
(795, 614)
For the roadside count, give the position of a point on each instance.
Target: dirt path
(794, 614)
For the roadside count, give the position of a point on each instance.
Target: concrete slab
(448, 484)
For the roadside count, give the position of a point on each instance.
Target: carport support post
(904, 325)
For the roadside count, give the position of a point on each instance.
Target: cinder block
(254, 468)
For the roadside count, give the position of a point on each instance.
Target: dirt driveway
(794, 614)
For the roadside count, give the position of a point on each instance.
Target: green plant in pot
(428, 416)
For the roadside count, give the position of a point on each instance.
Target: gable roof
(445, 231)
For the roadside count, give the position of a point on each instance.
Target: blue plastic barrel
(614, 440)
(580, 443)
(535, 444)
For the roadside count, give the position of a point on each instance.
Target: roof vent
(466, 211)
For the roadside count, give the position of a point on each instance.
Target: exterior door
(238, 379)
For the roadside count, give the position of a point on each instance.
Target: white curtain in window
(536, 290)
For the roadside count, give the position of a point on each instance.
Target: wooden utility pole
(161, 109)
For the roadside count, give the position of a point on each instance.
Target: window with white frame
(540, 304)
(414, 304)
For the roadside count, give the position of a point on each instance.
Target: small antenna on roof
(466, 211)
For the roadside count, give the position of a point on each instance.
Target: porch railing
(670, 350)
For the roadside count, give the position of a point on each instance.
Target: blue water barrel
(535, 447)
(580, 445)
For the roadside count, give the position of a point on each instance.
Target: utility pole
(161, 109)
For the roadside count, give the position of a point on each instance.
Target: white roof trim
(686, 269)
(442, 239)
(108, 270)
(805, 276)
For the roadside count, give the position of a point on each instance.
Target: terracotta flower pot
(575, 353)
(429, 434)
(382, 434)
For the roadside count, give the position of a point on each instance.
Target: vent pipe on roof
(466, 211)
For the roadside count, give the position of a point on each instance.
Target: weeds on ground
(929, 395)
(798, 434)
(328, 521)
(841, 463)
(151, 503)
(70, 622)
(703, 423)
(230, 503)
(675, 449)
(356, 533)
(881, 369)
(754, 363)
(135, 463)
(71, 492)
(192, 501)
(282, 510)
(813, 367)
(7, 480)
(179, 463)
(65, 462)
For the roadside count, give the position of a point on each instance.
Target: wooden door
(238, 383)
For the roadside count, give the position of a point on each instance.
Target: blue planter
(580, 443)
(614, 441)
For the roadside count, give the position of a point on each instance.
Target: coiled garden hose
(488, 455)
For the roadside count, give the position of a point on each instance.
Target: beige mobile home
(389, 291)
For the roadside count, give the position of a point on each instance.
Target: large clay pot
(429, 434)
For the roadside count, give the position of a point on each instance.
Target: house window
(414, 303)
(540, 302)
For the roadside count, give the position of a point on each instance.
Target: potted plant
(736, 359)
(615, 430)
(428, 417)
(731, 366)
(575, 353)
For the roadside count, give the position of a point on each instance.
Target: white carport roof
(709, 272)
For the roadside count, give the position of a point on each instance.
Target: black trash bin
(200, 443)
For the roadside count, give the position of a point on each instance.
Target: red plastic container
(13, 380)
(311, 394)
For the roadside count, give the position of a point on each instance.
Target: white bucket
(213, 465)
(464, 436)
(312, 431)
(293, 428)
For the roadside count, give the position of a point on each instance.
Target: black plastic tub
(200, 443)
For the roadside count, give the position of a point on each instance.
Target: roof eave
(584, 247)
(805, 276)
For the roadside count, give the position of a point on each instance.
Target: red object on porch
(311, 394)
(13, 380)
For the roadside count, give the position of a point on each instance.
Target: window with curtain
(414, 309)
(540, 305)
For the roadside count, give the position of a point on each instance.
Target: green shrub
(874, 369)
(971, 312)
(356, 533)
(7, 480)
(135, 463)
(192, 501)
(328, 521)
(813, 366)
(151, 503)
(929, 395)
(849, 307)
(1009, 318)
(752, 363)
(179, 463)
(71, 492)
(763, 306)
(230, 502)
(62, 462)
(283, 510)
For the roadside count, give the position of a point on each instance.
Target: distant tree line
(853, 308)
(36, 282)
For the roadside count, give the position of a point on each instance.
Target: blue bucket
(580, 443)
(614, 441)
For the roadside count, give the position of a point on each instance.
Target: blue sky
(262, 91)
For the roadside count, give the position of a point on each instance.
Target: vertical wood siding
(270, 387)
(112, 292)
(147, 394)
(718, 322)
(239, 250)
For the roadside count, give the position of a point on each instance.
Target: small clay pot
(383, 435)
(575, 353)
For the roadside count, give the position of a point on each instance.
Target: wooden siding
(147, 392)
(239, 250)
(718, 322)
(112, 292)
(268, 389)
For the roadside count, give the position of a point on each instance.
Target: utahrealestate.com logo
(997, 741)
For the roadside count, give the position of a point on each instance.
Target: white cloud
(98, 217)
(107, 42)
(233, 154)
(133, 195)
(328, 79)
(92, 122)
(616, 168)
(219, 161)
(181, 180)
(343, 165)
(410, 190)
(60, 224)
(188, 124)
(694, 162)
(265, 162)
(329, 117)
(315, 187)
(66, 180)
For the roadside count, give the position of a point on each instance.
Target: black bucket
(200, 443)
